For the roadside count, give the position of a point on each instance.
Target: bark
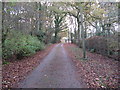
(85, 30)
(4, 33)
(56, 32)
(71, 37)
(83, 34)
(78, 21)
(39, 15)
(75, 34)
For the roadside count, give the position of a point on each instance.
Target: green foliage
(40, 35)
(118, 5)
(21, 45)
(113, 47)
(92, 50)
(5, 62)
(55, 40)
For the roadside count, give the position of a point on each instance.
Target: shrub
(98, 43)
(92, 50)
(21, 45)
(101, 45)
(5, 62)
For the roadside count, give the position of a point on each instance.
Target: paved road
(56, 71)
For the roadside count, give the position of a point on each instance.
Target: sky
(60, 0)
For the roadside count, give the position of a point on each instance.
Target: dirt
(55, 71)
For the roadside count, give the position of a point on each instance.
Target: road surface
(55, 71)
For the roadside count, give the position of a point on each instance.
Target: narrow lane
(56, 71)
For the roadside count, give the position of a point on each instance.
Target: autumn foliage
(102, 45)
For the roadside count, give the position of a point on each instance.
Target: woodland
(30, 27)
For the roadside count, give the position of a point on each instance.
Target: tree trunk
(71, 37)
(39, 24)
(96, 23)
(56, 33)
(83, 34)
(75, 34)
(85, 30)
(78, 31)
(55, 39)
(4, 33)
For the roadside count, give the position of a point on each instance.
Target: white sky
(60, 0)
(71, 25)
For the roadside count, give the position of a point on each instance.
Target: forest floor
(61, 66)
(98, 71)
(55, 71)
(16, 71)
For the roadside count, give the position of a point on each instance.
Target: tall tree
(58, 19)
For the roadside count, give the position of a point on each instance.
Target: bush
(97, 44)
(5, 62)
(21, 45)
(101, 45)
(92, 50)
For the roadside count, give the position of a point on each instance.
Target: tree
(78, 14)
(58, 19)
